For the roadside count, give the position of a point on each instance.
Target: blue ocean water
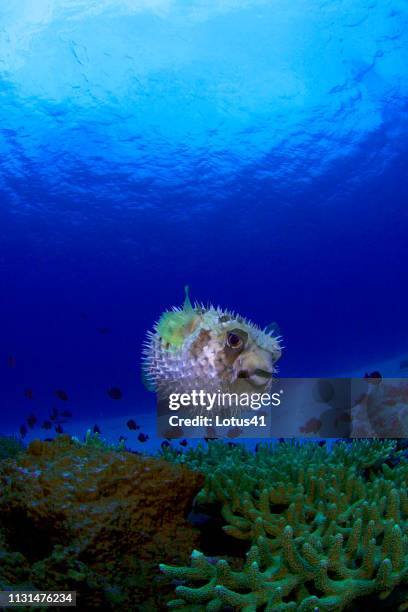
(256, 151)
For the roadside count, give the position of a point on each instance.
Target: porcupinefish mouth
(258, 377)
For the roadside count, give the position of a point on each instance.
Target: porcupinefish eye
(236, 339)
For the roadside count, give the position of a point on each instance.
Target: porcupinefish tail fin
(187, 306)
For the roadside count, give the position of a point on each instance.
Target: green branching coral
(324, 528)
(358, 453)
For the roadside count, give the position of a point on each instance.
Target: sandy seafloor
(112, 426)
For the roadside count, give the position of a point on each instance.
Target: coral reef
(305, 527)
(97, 520)
(93, 438)
(10, 446)
(326, 530)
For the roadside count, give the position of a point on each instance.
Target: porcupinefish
(202, 347)
(62, 395)
(114, 393)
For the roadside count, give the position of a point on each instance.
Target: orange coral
(120, 512)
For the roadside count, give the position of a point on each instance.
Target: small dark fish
(11, 361)
(54, 413)
(131, 423)
(234, 432)
(374, 378)
(62, 395)
(211, 433)
(23, 431)
(183, 442)
(66, 414)
(142, 437)
(165, 444)
(122, 439)
(173, 432)
(29, 394)
(59, 429)
(97, 429)
(312, 426)
(46, 425)
(376, 374)
(199, 519)
(115, 393)
(31, 420)
(103, 330)
(404, 364)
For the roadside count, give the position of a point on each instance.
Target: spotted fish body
(208, 348)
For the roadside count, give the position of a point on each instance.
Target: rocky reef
(96, 520)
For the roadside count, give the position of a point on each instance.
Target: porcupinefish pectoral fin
(272, 329)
